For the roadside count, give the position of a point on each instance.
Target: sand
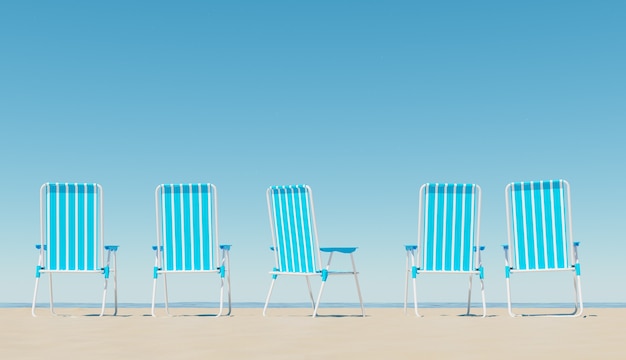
(293, 334)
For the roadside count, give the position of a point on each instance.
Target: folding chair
(72, 238)
(187, 237)
(296, 248)
(540, 239)
(448, 237)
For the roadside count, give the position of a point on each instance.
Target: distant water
(254, 305)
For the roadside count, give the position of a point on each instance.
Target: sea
(259, 305)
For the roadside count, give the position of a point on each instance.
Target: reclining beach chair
(187, 237)
(540, 233)
(71, 236)
(448, 237)
(296, 248)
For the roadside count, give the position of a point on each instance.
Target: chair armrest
(111, 247)
(154, 247)
(507, 260)
(38, 247)
(343, 250)
(225, 247)
(410, 247)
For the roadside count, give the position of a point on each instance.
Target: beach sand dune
(293, 334)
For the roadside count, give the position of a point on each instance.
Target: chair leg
(412, 269)
(406, 284)
(358, 288)
(167, 302)
(578, 296)
(154, 286)
(228, 283)
(308, 283)
(415, 297)
(578, 304)
(482, 292)
(35, 297)
(469, 295)
(107, 272)
(51, 295)
(40, 263)
(230, 303)
(115, 282)
(269, 294)
(508, 297)
(221, 297)
(324, 278)
(104, 296)
(319, 296)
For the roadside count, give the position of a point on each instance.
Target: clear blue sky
(362, 100)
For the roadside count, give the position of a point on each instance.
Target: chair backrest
(294, 231)
(449, 218)
(539, 225)
(71, 226)
(187, 230)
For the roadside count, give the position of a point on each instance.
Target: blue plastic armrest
(576, 243)
(154, 247)
(410, 247)
(481, 248)
(344, 250)
(225, 247)
(111, 247)
(272, 248)
(505, 247)
(38, 247)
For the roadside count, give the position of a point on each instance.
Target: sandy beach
(292, 334)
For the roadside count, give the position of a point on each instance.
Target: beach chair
(539, 223)
(72, 238)
(448, 237)
(296, 248)
(187, 237)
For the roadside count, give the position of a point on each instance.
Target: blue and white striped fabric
(538, 224)
(72, 238)
(448, 227)
(72, 226)
(187, 227)
(293, 229)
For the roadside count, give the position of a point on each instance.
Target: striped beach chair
(539, 223)
(296, 248)
(72, 237)
(187, 237)
(448, 237)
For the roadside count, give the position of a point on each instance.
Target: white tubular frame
(572, 251)
(158, 261)
(104, 267)
(354, 272)
(414, 258)
(319, 270)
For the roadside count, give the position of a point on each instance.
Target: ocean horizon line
(254, 304)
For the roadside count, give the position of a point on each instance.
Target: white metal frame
(42, 247)
(414, 258)
(323, 272)
(572, 251)
(224, 251)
